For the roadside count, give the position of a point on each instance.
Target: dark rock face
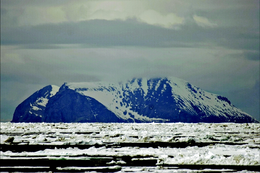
(70, 106)
(154, 103)
(138, 100)
(33, 108)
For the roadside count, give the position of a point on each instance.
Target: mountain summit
(137, 100)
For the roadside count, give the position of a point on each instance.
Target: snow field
(198, 143)
(134, 132)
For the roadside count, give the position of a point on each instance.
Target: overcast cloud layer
(213, 44)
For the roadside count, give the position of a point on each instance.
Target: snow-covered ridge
(189, 98)
(54, 90)
(209, 103)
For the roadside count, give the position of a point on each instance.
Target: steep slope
(70, 106)
(32, 109)
(140, 100)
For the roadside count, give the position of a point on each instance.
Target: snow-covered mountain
(137, 100)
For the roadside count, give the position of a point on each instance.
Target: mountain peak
(138, 100)
(32, 109)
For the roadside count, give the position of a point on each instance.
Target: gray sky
(213, 44)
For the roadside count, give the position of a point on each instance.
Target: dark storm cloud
(254, 56)
(95, 33)
(40, 46)
(18, 3)
(103, 33)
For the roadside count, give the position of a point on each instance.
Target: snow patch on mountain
(111, 96)
(42, 101)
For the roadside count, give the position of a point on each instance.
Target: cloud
(154, 18)
(203, 21)
(27, 16)
(37, 13)
(43, 46)
(131, 32)
(252, 55)
(232, 13)
(11, 58)
(94, 32)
